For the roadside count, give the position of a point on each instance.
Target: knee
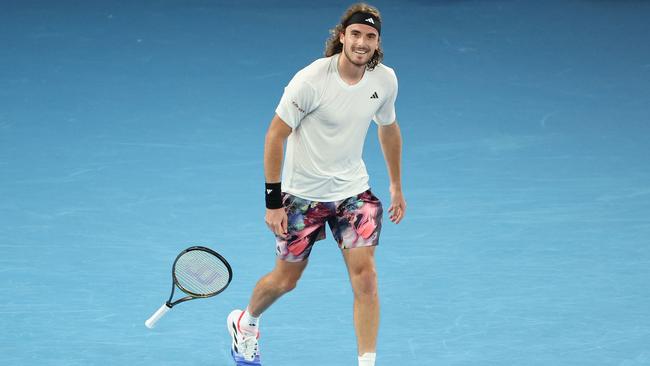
(285, 276)
(364, 283)
(284, 284)
(287, 285)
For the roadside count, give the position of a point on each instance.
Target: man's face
(360, 42)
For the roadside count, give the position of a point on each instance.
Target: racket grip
(151, 322)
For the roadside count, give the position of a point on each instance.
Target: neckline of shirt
(335, 60)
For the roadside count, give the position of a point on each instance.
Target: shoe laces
(249, 347)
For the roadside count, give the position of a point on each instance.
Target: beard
(351, 59)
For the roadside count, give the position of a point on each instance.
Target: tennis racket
(199, 272)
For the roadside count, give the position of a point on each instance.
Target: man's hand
(276, 220)
(397, 207)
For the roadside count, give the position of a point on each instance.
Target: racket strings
(201, 273)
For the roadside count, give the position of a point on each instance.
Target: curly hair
(333, 44)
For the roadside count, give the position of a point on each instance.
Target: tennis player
(323, 116)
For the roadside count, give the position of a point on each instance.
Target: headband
(364, 18)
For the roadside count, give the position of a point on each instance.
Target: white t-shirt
(330, 120)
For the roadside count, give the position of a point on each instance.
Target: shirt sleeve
(386, 115)
(298, 100)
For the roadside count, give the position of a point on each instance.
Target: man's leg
(356, 228)
(363, 277)
(305, 227)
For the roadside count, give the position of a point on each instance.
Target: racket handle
(151, 322)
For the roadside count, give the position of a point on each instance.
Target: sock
(367, 359)
(249, 324)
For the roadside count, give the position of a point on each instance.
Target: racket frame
(192, 295)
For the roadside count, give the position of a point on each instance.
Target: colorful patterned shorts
(355, 222)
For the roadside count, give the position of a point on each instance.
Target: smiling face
(360, 42)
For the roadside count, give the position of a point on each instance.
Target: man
(324, 115)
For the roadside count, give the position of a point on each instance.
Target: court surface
(131, 130)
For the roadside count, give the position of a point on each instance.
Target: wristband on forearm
(273, 195)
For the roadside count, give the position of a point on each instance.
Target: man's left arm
(390, 139)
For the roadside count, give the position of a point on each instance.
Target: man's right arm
(276, 219)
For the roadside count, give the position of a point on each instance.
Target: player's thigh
(360, 260)
(285, 270)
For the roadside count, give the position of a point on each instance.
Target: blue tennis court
(132, 130)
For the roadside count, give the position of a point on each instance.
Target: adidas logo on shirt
(374, 96)
(369, 20)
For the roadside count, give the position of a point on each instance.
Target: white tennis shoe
(244, 349)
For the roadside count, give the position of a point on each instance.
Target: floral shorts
(355, 222)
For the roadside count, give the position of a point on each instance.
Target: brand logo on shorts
(268, 191)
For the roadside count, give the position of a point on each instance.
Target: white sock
(367, 359)
(249, 324)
